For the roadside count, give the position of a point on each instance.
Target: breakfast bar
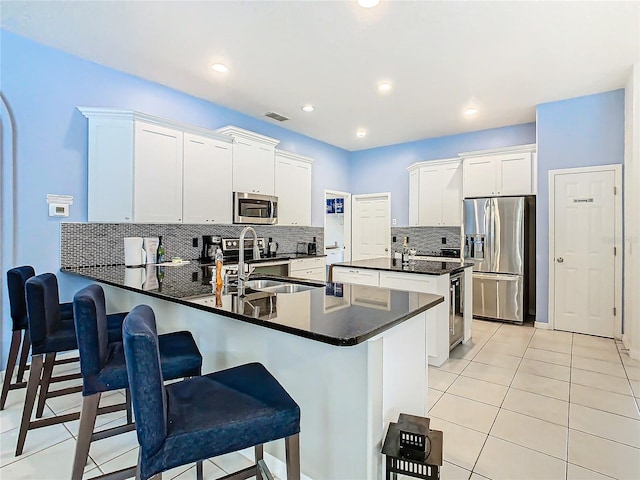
(352, 356)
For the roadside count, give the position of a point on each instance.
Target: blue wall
(578, 132)
(43, 87)
(384, 169)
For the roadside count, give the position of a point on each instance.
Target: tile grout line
(566, 466)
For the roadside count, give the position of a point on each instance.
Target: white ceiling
(504, 57)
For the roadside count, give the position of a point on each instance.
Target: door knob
(560, 259)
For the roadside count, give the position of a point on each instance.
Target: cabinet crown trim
(432, 163)
(529, 148)
(233, 132)
(93, 113)
(294, 156)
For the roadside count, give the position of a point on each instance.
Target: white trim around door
(616, 241)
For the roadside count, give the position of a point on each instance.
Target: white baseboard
(633, 352)
(543, 325)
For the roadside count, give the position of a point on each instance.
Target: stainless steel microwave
(255, 208)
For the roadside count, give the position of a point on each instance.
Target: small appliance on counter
(450, 252)
(272, 248)
(312, 247)
(210, 243)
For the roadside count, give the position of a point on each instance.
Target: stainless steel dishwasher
(456, 309)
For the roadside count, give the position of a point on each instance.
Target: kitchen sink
(276, 286)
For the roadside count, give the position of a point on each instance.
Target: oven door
(254, 208)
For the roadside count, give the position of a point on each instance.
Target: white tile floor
(523, 403)
(514, 403)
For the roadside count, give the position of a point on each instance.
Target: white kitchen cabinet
(157, 174)
(136, 165)
(293, 188)
(508, 171)
(435, 193)
(312, 268)
(359, 276)
(207, 195)
(253, 161)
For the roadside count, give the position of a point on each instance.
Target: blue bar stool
(205, 416)
(20, 340)
(103, 369)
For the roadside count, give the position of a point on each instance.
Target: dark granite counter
(339, 314)
(423, 267)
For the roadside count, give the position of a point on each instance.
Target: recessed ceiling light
(219, 67)
(471, 111)
(384, 87)
(361, 133)
(308, 108)
(368, 3)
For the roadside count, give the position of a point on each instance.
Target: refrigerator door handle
(497, 276)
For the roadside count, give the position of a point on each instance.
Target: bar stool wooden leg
(199, 471)
(49, 361)
(16, 339)
(127, 396)
(259, 456)
(32, 389)
(292, 447)
(24, 354)
(85, 432)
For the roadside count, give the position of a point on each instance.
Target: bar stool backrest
(16, 279)
(146, 384)
(90, 316)
(43, 307)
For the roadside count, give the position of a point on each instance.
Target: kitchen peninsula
(352, 356)
(448, 279)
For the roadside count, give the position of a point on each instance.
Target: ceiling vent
(276, 116)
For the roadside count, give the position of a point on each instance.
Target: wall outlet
(194, 242)
(194, 276)
(394, 221)
(444, 240)
(394, 239)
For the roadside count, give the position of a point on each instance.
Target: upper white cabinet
(293, 188)
(207, 195)
(253, 160)
(137, 169)
(435, 193)
(507, 171)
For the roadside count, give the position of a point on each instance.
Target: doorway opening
(337, 227)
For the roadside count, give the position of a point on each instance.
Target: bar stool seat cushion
(224, 412)
(179, 357)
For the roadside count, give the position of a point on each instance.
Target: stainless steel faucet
(242, 276)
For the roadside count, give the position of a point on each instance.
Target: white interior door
(371, 226)
(583, 252)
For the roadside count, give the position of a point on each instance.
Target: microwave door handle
(271, 212)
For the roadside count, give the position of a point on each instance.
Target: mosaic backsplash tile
(93, 244)
(427, 240)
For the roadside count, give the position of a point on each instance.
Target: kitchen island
(452, 280)
(352, 357)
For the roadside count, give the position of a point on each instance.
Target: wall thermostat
(59, 205)
(58, 210)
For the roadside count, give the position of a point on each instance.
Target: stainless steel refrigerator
(500, 241)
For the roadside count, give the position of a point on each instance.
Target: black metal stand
(428, 469)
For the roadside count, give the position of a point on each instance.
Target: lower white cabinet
(308, 268)
(207, 195)
(293, 188)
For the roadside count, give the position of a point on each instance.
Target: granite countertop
(339, 314)
(423, 267)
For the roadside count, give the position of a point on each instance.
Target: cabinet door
(158, 174)
(451, 181)
(253, 167)
(479, 177)
(414, 197)
(515, 175)
(293, 189)
(430, 204)
(207, 196)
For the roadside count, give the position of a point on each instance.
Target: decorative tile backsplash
(93, 244)
(426, 240)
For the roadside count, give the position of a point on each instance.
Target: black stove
(231, 248)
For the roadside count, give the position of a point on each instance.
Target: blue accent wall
(384, 169)
(578, 132)
(43, 87)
